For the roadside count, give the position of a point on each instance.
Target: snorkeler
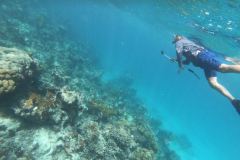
(207, 60)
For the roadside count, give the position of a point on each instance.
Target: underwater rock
(16, 66)
(38, 143)
(8, 129)
(45, 142)
(8, 126)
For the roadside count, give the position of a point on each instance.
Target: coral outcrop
(15, 67)
(70, 97)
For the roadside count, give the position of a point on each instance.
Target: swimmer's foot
(236, 104)
(232, 60)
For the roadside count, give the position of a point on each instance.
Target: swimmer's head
(177, 38)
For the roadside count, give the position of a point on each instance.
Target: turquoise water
(128, 37)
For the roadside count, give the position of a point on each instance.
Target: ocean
(126, 39)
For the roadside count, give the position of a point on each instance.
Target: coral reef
(67, 111)
(36, 106)
(70, 97)
(104, 111)
(15, 67)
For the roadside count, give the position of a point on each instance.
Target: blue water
(128, 36)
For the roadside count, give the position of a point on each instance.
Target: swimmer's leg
(225, 68)
(221, 89)
(232, 60)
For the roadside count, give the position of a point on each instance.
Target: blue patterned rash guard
(199, 56)
(189, 49)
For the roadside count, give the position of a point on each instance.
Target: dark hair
(177, 37)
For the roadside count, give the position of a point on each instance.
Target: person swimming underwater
(207, 60)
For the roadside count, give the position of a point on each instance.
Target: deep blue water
(128, 36)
